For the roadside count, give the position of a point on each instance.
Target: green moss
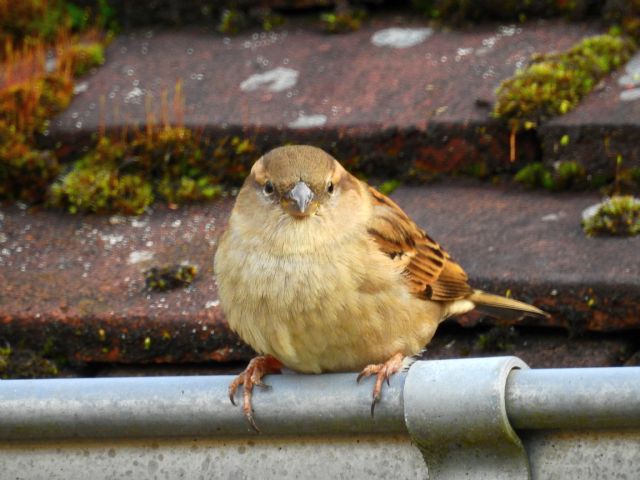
(95, 184)
(342, 21)
(27, 20)
(175, 160)
(85, 56)
(187, 189)
(232, 21)
(233, 156)
(554, 83)
(270, 21)
(161, 279)
(498, 339)
(21, 363)
(125, 177)
(568, 175)
(25, 108)
(389, 186)
(627, 180)
(25, 173)
(534, 175)
(28, 105)
(563, 176)
(100, 189)
(619, 215)
(34, 22)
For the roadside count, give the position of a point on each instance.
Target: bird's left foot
(252, 375)
(382, 371)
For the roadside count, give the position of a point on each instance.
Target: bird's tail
(503, 307)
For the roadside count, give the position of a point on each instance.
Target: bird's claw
(233, 388)
(251, 421)
(252, 375)
(382, 371)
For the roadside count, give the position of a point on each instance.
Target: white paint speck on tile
(630, 95)
(80, 87)
(134, 96)
(308, 121)
(400, 37)
(553, 217)
(276, 80)
(139, 256)
(111, 239)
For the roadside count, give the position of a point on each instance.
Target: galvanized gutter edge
(455, 411)
(576, 398)
(461, 413)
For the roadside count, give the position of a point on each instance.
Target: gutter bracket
(455, 412)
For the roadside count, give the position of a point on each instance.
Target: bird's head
(300, 180)
(299, 198)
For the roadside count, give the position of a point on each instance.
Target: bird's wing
(430, 272)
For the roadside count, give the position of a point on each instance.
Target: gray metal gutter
(473, 418)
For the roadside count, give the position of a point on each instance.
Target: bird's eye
(268, 188)
(330, 187)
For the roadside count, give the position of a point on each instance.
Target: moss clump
(389, 186)
(161, 279)
(554, 83)
(619, 215)
(534, 175)
(28, 28)
(563, 176)
(25, 21)
(25, 364)
(569, 175)
(342, 21)
(627, 180)
(84, 56)
(100, 189)
(126, 176)
(175, 159)
(499, 339)
(188, 189)
(232, 21)
(25, 173)
(234, 156)
(96, 184)
(29, 104)
(269, 20)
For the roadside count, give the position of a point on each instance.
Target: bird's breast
(336, 308)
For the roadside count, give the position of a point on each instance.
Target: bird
(319, 272)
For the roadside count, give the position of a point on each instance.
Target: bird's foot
(258, 367)
(382, 371)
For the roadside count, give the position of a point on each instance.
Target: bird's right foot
(258, 367)
(382, 372)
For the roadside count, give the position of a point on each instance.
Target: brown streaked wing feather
(430, 272)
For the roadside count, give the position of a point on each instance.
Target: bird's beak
(299, 200)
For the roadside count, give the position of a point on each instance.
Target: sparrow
(319, 272)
